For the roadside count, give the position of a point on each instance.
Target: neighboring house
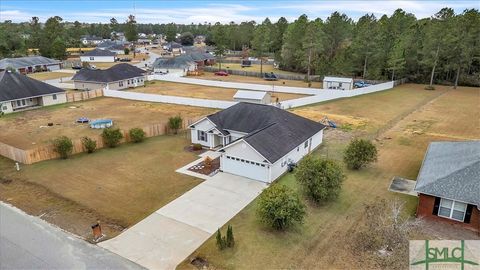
(30, 64)
(144, 41)
(338, 83)
(174, 47)
(257, 141)
(202, 58)
(199, 39)
(119, 36)
(91, 40)
(118, 77)
(117, 47)
(178, 65)
(257, 97)
(19, 92)
(98, 55)
(448, 183)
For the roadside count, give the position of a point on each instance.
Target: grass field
(256, 68)
(29, 128)
(325, 239)
(117, 186)
(246, 79)
(42, 76)
(199, 91)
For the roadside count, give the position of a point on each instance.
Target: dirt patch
(199, 262)
(204, 168)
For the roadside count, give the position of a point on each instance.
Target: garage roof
(254, 95)
(28, 61)
(18, 86)
(451, 170)
(272, 131)
(99, 52)
(116, 73)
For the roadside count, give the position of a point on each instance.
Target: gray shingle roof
(28, 61)
(17, 86)
(273, 132)
(116, 73)
(99, 52)
(179, 62)
(451, 170)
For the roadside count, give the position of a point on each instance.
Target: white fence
(217, 104)
(235, 85)
(326, 94)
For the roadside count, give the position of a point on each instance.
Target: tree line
(441, 49)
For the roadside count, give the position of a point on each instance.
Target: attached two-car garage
(245, 168)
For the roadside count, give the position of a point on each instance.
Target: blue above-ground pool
(101, 123)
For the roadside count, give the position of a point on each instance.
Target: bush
(280, 207)
(230, 242)
(89, 144)
(175, 123)
(221, 242)
(63, 145)
(112, 136)
(320, 179)
(126, 51)
(197, 147)
(360, 153)
(137, 135)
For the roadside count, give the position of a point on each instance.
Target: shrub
(175, 123)
(197, 147)
(230, 242)
(89, 144)
(126, 51)
(221, 242)
(280, 207)
(137, 135)
(321, 179)
(63, 145)
(360, 153)
(112, 136)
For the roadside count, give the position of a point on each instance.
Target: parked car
(361, 84)
(221, 73)
(125, 60)
(77, 67)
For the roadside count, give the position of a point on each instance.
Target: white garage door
(245, 168)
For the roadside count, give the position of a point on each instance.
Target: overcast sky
(186, 12)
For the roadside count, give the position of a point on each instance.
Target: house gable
(242, 149)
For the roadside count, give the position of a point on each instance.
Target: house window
(305, 144)
(19, 103)
(54, 96)
(92, 58)
(452, 209)
(23, 102)
(120, 83)
(298, 149)
(202, 135)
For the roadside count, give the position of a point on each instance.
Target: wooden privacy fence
(47, 152)
(84, 95)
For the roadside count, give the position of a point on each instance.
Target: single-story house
(339, 83)
(257, 141)
(202, 58)
(448, 183)
(117, 47)
(98, 55)
(91, 40)
(30, 64)
(179, 65)
(258, 97)
(174, 47)
(118, 77)
(20, 92)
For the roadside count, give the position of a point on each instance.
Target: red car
(221, 73)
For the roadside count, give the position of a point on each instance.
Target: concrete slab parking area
(168, 236)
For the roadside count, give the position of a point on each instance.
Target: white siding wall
(6, 107)
(295, 156)
(243, 150)
(48, 100)
(102, 59)
(203, 125)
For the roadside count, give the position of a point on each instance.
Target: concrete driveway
(168, 236)
(27, 242)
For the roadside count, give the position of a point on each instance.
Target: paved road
(27, 242)
(168, 236)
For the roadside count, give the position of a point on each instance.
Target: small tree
(63, 145)
(360, 153)
(280, 207)
(321, 179)
(230, 242)
(112, 136)
(221, 242)
(137, 135)
(175, 123)
(89, 144)
(126, 51)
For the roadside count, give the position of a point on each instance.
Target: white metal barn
(258, 97)
(339, 83)
(98, 55)
(257, 141)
